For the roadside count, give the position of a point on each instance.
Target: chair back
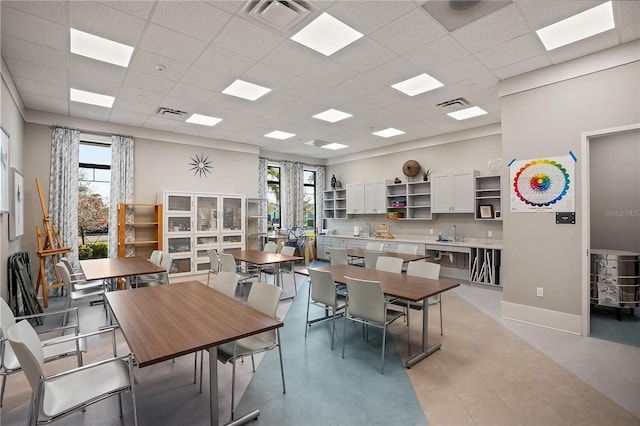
(264, 297)
(156, 257)
(270, 247)
(288, 250)
(66, 277)
(407, 248)
(424, 269)
(323, 288)
(374, 246)
(371, 258)
(338, 256)
(227, 262)
(67, 263)
(167, 260)
(226, 283)
(389, 264)
(28, 349)
(365, 300)
(214, 260)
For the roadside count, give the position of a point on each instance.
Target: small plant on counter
(426, 174)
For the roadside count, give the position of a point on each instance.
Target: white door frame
(585, 138)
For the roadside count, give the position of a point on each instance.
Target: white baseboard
(555, 320)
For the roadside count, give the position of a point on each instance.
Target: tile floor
(489, 372)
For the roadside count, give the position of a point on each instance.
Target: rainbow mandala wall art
(542, 185)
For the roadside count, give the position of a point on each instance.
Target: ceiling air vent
(173, 114)
(278, 14)
(453, 104)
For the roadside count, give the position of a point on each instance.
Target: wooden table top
(166, 321)
(404, 286)
(259, 257)
(115, 267)
(406, 257)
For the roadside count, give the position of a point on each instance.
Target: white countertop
(432, 241)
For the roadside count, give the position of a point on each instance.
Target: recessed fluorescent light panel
(332, 115)
(99, 48)
(387, 133)
(91, 98)
(277, 134)
(246, 90)
(463, 114)
(577, 27)
(334, 146)
(326, 35)
(203, 120)
(418, 84)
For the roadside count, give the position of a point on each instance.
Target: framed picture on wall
(486, 212)
(16, 215)
(4, 170)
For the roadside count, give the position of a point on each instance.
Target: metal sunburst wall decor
(201, 165)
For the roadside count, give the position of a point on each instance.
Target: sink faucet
(455, 234)
(368, 226)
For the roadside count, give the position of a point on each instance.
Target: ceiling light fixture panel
(334, 146)
(326, 35)
(245, 90)
(203, 120)
(332, 115)
(387, 133)
(418, 84)
(577, 27)
(91, 98)
(99, 48)
(278, 134)
(466, 113)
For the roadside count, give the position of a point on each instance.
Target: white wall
(548, 121)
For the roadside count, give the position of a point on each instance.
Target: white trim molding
(541, 317)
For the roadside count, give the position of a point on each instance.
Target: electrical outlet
(431, 231)
(540, 292)
(489, 234)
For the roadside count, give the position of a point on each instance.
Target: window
(273, 197)
(94, 185)
(309, 200)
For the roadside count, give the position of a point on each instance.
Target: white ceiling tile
(224, 61)
(303, 88)
(475, 84)
(50, 10)
(409, 32)
(359, 86)
(584, 47)
(626, 12)
(130, 106)
(522, 67)
(267, 76)
(181, 104)
(394, 71)
(92, 84)
(437, 53)
(629, 33)
(363, 55)
(98, 19)
(147, 82)
(127, 118)
(36, 72)
(38, 102)
(491, 30)
(196, 19)
(460, 70)
(540, 13)
(34, 53)
(161, 124)
(368, 16)
(484, 97)
(141, 9)
(329, 73)
(136, 94)
(92, 69)
(192, 93)
(209, 80)
(41, 88)
(243, 37)
(90, 112)
(512, 51)
(230, 6)
(191, 129)
(292, 57)
(331, 98)
(169, 43)
(31, 28)
(145, 62)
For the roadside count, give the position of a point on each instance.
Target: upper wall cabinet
(355, 198)
(453, 192)
(366, 198)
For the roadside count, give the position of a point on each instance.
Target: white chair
(78, 279)
(366, 304)
(162, 277)
(289, 267)
(389, 264)
(9, 363)
(265, 298)
(374, 246)
(61, 394)
(156, 257)
(73, 294)
(426, 270)
(270, 247)
(226, 283)
(214, 263)
(228, 264)
(407, 248)
(338, 256)
(323, 293)
(371, 258)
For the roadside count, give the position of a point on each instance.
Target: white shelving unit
(488, 193)
(408, 201)
(256, 226)
(334, 204)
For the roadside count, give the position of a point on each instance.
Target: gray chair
(226, 283)
(78, 279)
(228, 264)
(214, 263)
(323, 293)
(270, 247)
(426, 270)
(371, 258)
(389, 264)
(156, 257)
(61, 394)
(374, 246)
(338, 256)
(407, 248)
(265, 298)
(366, 304)
(54, 348)
(72, 294)
(289, 267)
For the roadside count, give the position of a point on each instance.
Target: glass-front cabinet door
(207, 213)
(232, 222)
(178, 203)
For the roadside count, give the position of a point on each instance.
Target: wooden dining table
(163, 322)
(261, 258)
(402, 286)
(118, 267)
(406, 257)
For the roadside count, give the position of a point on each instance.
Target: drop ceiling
(187, 52)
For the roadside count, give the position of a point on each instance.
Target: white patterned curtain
(291, 194)
(297, 189)
(122, 148)
(63, 190)
(262, 190)
(320, 179)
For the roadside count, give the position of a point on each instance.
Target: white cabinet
(335, 204)
(453, 192)
(374, 198)
(355, 198)
(196, 222)
(256, 223)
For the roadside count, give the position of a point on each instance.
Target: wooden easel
(49, 247)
